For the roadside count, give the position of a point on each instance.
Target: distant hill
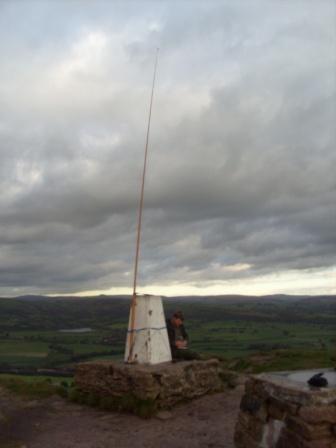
(208, 299)
(42, 312)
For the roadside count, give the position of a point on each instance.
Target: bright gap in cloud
(307, 282)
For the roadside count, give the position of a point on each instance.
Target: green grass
(52, 348)
(17, 347)
(283, 360)
(11, 344)
(237, 338)
(228, 338)
(56, 381)
(41, 388)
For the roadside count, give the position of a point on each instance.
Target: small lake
(76, 330)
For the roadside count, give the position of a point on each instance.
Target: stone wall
(163, 384)
(275, 413)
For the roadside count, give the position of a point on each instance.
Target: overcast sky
(241, 186)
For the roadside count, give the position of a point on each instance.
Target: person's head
(177, 319)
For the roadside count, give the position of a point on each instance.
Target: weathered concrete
(276, 412)
(147, 338)
(163, 384)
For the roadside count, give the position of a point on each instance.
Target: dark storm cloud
(241, 172)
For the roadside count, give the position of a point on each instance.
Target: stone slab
(293, 415)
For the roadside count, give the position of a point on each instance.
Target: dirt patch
(55, 423)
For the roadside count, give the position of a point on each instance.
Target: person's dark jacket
(171, 335)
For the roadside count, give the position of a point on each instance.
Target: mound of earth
(56, 423)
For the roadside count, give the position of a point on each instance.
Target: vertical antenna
(137, 251)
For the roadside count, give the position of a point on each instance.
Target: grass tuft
(32, 390)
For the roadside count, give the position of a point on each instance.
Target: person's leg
(185, 355)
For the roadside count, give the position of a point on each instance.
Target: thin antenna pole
(138, 240)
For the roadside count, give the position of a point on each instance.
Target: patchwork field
(237, 329)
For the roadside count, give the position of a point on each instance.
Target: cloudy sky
(241, 186)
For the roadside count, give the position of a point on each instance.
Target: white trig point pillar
(150, 337)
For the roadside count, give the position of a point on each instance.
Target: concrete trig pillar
(150, 341)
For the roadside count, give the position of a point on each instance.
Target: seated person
(178, 338)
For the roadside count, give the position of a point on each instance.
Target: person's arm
(171, 334)
(184, 333)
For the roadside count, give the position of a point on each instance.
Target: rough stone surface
(308, 431)
(290, 439)
(166, 384)
(316, 414)
(275, 413)
(2, 417)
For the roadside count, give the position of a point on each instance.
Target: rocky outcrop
(162, 384)
(276, 413)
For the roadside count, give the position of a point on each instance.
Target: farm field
(240, 338)
(47, 349)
